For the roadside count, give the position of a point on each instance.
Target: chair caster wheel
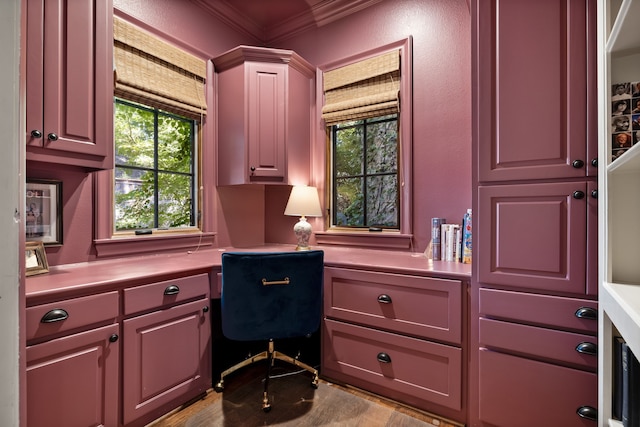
(314, 382)
(266, 408)
(219, 387)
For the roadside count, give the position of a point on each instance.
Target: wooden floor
(294, 403)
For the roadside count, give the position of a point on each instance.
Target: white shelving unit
(619, 197)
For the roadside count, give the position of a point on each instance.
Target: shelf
(629, 162)
(621, 303)
(625, 33)
(615, 423)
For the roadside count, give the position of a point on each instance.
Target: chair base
(270, 355)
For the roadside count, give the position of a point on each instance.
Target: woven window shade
(155, 73)
(365, 89)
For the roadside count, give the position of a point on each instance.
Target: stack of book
(451, 242)
(626, 385)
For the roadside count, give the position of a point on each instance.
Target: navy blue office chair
(269, 296)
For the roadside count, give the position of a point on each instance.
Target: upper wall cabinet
(264, 106)
(537, 90)
(69, 71)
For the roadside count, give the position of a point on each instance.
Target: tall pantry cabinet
(619, 56)
(534, 289)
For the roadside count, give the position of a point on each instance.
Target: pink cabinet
(535, 204)
(69, 86)
(535, 235)
(73, 359)
(397, 335)
(535, 84)
(265, 98)
(166, 348)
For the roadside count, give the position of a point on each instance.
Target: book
(630, 388)
(616, 403)
(436, 232)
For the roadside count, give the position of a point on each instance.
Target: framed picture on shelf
(35, 259)
(43, 214)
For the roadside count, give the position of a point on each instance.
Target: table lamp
(303, 202)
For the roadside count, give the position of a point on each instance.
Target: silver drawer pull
(56, 315)
(172, 290)
(384, 299)
(588, 412)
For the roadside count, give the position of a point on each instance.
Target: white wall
(11, 160)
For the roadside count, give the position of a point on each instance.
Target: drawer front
(558, 346)
(525, 393)
(421, 369)
(543, 310)
(54, 318)
(169, 292)
(418, 306)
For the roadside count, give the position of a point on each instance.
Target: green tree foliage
(154, 169)
(366, 173)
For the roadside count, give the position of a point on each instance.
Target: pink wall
(441, 31)
(441, 116)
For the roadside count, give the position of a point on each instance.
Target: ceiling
(273, 20)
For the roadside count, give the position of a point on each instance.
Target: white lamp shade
(303, 201)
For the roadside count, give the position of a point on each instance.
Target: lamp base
(302, 230)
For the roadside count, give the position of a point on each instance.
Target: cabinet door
(73, 381)
(166, 360)
(515, 391)
(70, 82)
(267, 117)
(533, 236)
(536, 94)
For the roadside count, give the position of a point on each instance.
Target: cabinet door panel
(167, 356)
(533, 236)
(267, 111)
(73, 381)
(534, 91)
(519, 392)
(74, 61)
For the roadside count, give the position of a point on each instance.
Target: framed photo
(43, 215)
(35, 258)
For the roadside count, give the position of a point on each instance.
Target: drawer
(412, 305)
(542, 343)
(526, 393)
(54, 318)
(543, 310)
(154, 295)
(417, 368)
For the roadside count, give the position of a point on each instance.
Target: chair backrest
(271, 295)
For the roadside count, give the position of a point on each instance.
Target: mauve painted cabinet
(397, 335)
(73, 359)
(69, 89)
(534, 293)
(264, 116)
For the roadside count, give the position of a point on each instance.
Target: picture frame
(35, 259)
(43, 214)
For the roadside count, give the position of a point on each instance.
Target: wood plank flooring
(294, 403)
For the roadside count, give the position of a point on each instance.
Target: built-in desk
(161, 313)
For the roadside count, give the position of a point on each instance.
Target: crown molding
(321, 14)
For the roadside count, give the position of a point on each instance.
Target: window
(365, 173)
(367, 111)
(155, 176)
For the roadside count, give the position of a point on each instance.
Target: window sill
(139, 245)
(365, 239)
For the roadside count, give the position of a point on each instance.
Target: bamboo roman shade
(155, 73)
(364, 89)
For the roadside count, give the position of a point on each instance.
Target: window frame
(108, 245)
(402, 238)
(194, 164)
(365, 174)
